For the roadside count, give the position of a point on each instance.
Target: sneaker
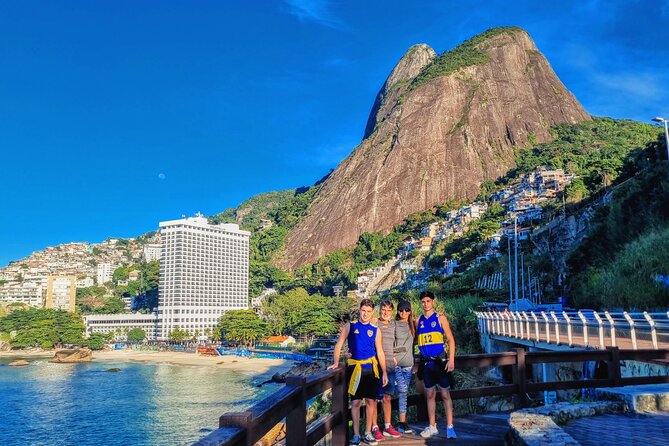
(429, 431)
(404, 428)
(355, 441)
(369, 439)
(450, 432)
(391, 432)
(376, 433)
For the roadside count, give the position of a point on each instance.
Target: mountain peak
(409, 66)
(440, 126)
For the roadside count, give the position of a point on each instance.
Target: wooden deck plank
(487, 430)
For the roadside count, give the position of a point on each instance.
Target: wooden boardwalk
(486, 430)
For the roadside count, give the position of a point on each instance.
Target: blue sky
(117, 115)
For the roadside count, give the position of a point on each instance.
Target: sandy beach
(256, 366)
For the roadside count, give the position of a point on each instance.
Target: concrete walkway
(624, 429)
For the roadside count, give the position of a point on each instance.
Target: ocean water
(143, 404)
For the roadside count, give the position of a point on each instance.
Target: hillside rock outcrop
(436, 140)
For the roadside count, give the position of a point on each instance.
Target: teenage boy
(366, 350)
(387, 326)
(431, 329)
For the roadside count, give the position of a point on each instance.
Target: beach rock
(19, 362)
(73, 356)
(299, 369)
(114, 369)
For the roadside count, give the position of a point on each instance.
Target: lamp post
(666, 132)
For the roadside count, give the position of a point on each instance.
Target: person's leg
(388, 393)
(448, 406)
(355, 416)
(387, 407)
(370, 411)
(403, 376)
(431, 398)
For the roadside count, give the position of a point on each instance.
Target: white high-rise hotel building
(204, 271)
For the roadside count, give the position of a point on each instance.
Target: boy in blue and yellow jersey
(436, 362)
(365, 346)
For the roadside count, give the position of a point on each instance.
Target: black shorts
(368, 387)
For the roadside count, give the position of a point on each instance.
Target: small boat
(207, 351)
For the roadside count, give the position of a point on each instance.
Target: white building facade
(204, 272)
(105, 272)
(152, 252)
(120, 324)
(29, 293)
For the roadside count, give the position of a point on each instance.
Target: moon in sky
(161, 176)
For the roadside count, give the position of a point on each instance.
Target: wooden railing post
(520, 379)
(296, 419)
(614, 366)
(340, 404)
(242, 420)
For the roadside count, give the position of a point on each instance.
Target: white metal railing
(584, 328)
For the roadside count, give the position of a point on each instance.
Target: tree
(242, 326)
(96, 341)
(315, 319)
(216, 334)
(43, 327)
(178, 335)
(136, 335)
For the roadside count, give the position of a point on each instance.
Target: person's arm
(343, 334)
(378, 344)
(445, 326)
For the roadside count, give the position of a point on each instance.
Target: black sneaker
(404, 428)
(369, 439)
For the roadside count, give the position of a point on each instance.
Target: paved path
(485, 430)
(651, 429)
(578, 340)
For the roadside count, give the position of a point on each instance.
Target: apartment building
(105, 272)
(61, 292)
(152, 252)
(29, 293)
(204, 272)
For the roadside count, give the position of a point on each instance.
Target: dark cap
(403, 305)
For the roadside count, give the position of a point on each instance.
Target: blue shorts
(434, 374)
(391, 388)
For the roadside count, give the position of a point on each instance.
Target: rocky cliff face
(433, 137)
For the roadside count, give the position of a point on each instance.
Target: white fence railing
(584, 328)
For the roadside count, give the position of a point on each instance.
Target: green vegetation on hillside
(108, 299)
(466, 248)
(595, 151)
(617, 263)
(633, 279)
(466, 54)
(249, 213)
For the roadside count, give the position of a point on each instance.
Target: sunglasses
(404, 311)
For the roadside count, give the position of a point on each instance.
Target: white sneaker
(429, 431)
(450, 432)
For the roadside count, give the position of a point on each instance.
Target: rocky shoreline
(302, 369)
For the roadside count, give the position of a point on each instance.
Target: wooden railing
(290, 403)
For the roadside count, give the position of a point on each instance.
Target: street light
(666, 132)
